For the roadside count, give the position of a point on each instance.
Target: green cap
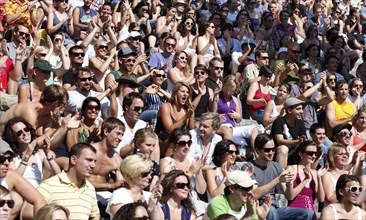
(43, 65)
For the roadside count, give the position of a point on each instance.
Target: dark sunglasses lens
(91, 107)
(184, 143)
(3, 159)
(9, 202)
(160, 75)
(137, 109)
(145, 174)
(182, 185)
(267, 150)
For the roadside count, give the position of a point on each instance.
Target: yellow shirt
(342, 111)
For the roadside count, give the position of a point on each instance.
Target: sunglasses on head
(267, 150)
(182, 185)
(3, 159)
(145, 174)
(184, 143)
(76, 54)
(199, 72)
(311, 153)
(86, 79)
(138, 108)
(10, 203)
(91, 107)
(355, 188)
(244, 189)
(233, 152)
(20, 132)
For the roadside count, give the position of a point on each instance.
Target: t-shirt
(129, 134)
(289, 133)
(5, 70)
(157, 60)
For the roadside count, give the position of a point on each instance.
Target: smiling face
(128, 62)
(134, 111)
(309, 155)
(22, 35)
(282, 93)
(177, 191)
(342, 91)
(268, 151)
(5, 209)
(230, 155)
(319, 136)
(183, 145)
(92, 110)
(341, 158)
(206, 128)
(181, 60)
(349, 194)
(22, 132)
(147, 146)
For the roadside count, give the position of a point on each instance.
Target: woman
(223, 158)
(312, 37)
(335, 21)
(307, 184)
(207, 44)
(259, 95)
(242, 30)
(52, 212)
(274, 108)
(179, 160)
(355, 92)
(178, 112)
(337, 158)
(358, 139)
(255, 15)
(155, 96)
(175, 201)
(122, 16)
(168, 22)
(180, 71)
(217, 19)
(136, 170)
(6, 203)
(61, 20)
(88, 130)
(312, 58)
(135, 210)
(104, 62)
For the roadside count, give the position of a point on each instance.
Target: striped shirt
(81, 202)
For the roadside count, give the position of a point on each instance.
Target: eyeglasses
(331, 79)
(311, 153)
(169, 45)
(233, 152)
(96, 107)
(20, 132)
(58, 40)
(160, 75)
(183, 58)
(10, 203)
(76, 54)
(142, 218)
(351, 189)
(130, 60)
(189, 23)
(23, 33)
(182, 185)
(265, 58)
(358, 85)
(218, 68)
(103, 47)
(199, 72)
(295, 51)
(244, 189)
(138, 108)
(144, 9)
(212, 26)
(3, 159)
(42, 54)
(225, 10)
(145, 174)
(86, 79)
(267, 150)
(345, 133)
(184, 143)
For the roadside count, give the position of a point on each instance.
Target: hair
(340, 83)
(53, 93)
(128, 99)
(203, 27)
(229, 82)
(181, 26)
(358, 115)
(327, 58)
(220, 149)
(16, 28)
(352, 11)
(261, 140)
(76, 47)
(127, 211)
(177, 134)
(352, 83)
(141, 4)
(168, 185)
(39, 49)
(133, 165)
(79, 72)
(176, 88)
(186, 70)
(265, 70)
(315, 127)
(78, 148)
(308, 48)
(215, 117)
(201, 67)
(332, 150)
(4, 191)
(302, 148)
(10, 136)
(342, 182)
(225, 217)
(98, 43)
(141, 135)
(86, 103)
(283, 12)
(258, 53)
(46, 212)
(287, 86)
(334, 39)
(169, 37)
(210, 19)
(215, 59)
(112, 123)
(364, 56)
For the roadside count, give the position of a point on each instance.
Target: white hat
(241, 178)
(281, 50)
(135, 34)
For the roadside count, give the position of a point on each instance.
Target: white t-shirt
(129, 135)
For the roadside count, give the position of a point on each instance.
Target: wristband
(26, 159)
(24, 163)
(50, 158)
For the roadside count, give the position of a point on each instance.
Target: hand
(234, 115)
(323, 170)
(4, 48)
(152, 89)
(141, 58)
(224, 169)
(307, 171)
(212, 39)
(222, 118)
(31, 147)
(71, 122)
(263, 101)
(155, 197)
(286, 176)
(20, 49)
(301, 138)
(323, 77)
(263, 210)
(46, 144)
(197, 165)
(226, 35)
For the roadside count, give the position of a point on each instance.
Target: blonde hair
(229, 82)
(39, 49)
(46, 212)
(332, 150)
(133, 165)
(186, 70)
(142, 134)
(173, 98)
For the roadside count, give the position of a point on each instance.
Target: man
(133, 106)
(318, 21)
(237, 200)
(269, 174)
(347, 190)
(252, 70)
(204, 138)
(83, 15)
(288, 131)
(305, 74)
(340, 110)
(71, 189)
(331, 64)
(20, 36)
(106, 176)
(317, 134)
(342, 134)
(227, 45)
(134, 43)
(164, 60)
(216, 69)
(243, 57)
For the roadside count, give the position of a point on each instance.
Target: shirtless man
(106, 176)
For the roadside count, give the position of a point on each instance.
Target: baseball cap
(282, 50)
(126, 51)
(241, 178)
(304, 69)
(129, 79)
(292, 101)
(5, 148)
(135, 34)
(250, 41)
(340, 127)
(43, 65)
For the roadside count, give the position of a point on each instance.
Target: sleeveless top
(274, 112)
(33, 174)
(64, 28)
(85, 17)
(357, 140)
(223, 108)
(170, 82)
(202, 104)
(359, 214)
(259, 95)
(3, 182)
(185, 214)
(159, 127)
(83, 136)
(334, 182)
(305, 199)
(210, 51)
(341, 112)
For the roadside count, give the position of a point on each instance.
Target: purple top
(223, 108)
(305, 199)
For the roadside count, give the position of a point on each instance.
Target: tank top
(64, 28)
(259, 95)
(341, 112)
(359, 214)
(33, 174)
(85, 17)
(357, 139)
(223, 108)
(274, 112)
(170, 82)
(185, 214)
(3, 182)
(202, 104)
(334, 182)
(305, 199)
(210, 51)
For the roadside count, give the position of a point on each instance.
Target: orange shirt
(15, 6)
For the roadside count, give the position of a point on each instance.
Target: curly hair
(127, 212)
(186, 70)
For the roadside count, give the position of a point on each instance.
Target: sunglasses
(267, 150)
(23, 33)
(91, 107)
(184, 143)
(345, 133)
(311, 153)
(183, 58)
(182, 185)
(233, 152)
(160, 75)
(199, 73)
(265, 58)
(20, 132)
(138, 30)
(58, 40)
(142, 218)
(218, 68)
(351, 189)
(145, 174)
(189, 23)
(103, 47)
(78, 54)
(144, 9)
(244, 189)
(295, 51)
(42, 54)
(10, 203)
(130, 60)
(332, 79)
(169, 45)
(138, 108)
(3, 159)
(86, 79)
(65, 1)
(358, 86)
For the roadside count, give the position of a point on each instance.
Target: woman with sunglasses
(223, 158)
(307, 185)
(335, 21)
(61, 20)
(6, 203)
(356, 92)
(88, 130)
(180, 72)
(181, 141)
(358, 139)
(167, 22)
(347, 190)
(175, 200)
(137, 171)
(155, 96)
(207, 43)
(136, 211)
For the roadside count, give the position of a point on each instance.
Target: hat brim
(305, 70)
(127, 81)
(248, 183)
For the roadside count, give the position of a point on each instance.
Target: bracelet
(50, 158)
(26, 159)
(16, 59)
(24, 163)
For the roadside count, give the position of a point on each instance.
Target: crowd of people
(205, 109)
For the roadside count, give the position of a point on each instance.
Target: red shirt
(5, 70)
